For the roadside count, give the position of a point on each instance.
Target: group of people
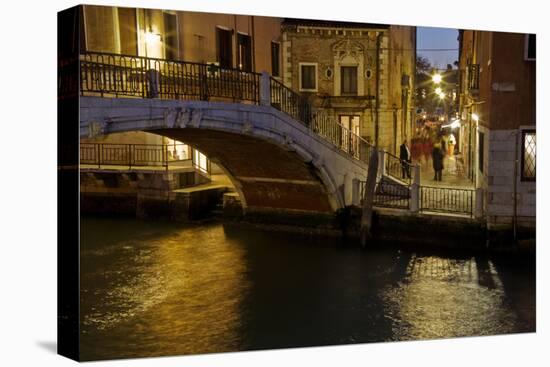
(428, 143)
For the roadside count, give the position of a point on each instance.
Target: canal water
(152, 289)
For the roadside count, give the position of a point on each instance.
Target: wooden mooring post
(368, 198)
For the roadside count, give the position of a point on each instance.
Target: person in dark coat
(405, 157)
(437, 160)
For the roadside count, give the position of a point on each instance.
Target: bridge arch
(274, 161)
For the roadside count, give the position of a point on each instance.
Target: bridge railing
(397, 168)
(329, 128)
(293, 104)
(388, 194)
(116, 75)
(139, 155)
(447, 200)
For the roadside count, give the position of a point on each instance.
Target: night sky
(437, 38)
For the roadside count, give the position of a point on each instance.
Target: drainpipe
(377, 102)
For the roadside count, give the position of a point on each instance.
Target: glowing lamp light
(436, 78)
(152, 38)
(475, 117)
(453, 125)
(438, 90)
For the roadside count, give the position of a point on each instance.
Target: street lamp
(436, 78)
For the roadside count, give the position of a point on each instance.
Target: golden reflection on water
(152, 289)
(169, 295)
(444, 298)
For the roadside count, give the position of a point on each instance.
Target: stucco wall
(498, 181)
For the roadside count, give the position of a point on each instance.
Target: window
(473, 76)
(530, 46)
(480, 153)
(308, 77)
(528, 155)
(348, 80)
(225, 50)
(171, 36)
(275, 59)
(128, 32)
(244, 54)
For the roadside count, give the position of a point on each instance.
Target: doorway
(349, 137)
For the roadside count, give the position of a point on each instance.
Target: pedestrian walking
(405, 157)
(437, 161)
(452, 143)
(427, 148)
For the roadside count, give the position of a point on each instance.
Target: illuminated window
(529, 155)
(200, 161)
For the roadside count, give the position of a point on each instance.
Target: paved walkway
(454, 175)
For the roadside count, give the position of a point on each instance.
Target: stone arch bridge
(279, 153)
(273, 160)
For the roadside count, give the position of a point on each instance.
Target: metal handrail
(447, 200)
(145, 77)
(398, 169)
(110, 74)
(131, 155)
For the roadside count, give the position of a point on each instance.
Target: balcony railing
(163, 156)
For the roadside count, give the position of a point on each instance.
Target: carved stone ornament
(347, 47)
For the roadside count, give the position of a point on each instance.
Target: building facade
(498, 113)
(247, 43)
(361, 74)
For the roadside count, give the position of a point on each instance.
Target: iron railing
(293, 104)
(388, 194)
(107, 74)
(138, 155)
(398, 168)
(116, 75)
(447, 200)
(330, 129)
